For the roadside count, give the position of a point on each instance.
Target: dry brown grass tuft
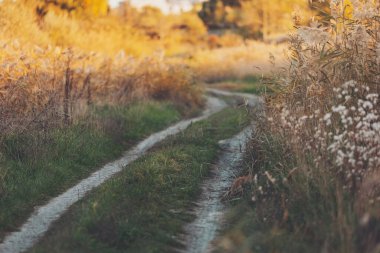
(45, 86)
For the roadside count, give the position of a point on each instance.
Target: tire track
(40, 220)
(209, 209)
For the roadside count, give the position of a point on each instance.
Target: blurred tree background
(92, 7)
(92, 25)
(256, 19)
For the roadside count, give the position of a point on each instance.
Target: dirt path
(210, 209)
(39, 222)
(251, 100)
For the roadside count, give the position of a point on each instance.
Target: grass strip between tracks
(144, 208)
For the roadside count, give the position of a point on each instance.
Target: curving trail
(251, 100)
(39, 222)
(209, 210)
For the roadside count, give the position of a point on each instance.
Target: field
(84, 83)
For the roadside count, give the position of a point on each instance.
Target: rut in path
(209, 209)
(39, 222)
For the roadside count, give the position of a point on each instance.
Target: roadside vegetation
(145, 208)
(314, 162)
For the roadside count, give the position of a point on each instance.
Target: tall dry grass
(52, 71)
(328, 113)
(330, 100)
(43, 86)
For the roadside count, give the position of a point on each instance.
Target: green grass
(247, 84)
(38, 166)
(144, 208)
(253, 85)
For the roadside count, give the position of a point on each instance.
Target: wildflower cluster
(353, 130)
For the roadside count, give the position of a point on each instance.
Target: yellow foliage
(106, 59)
(96, 7)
